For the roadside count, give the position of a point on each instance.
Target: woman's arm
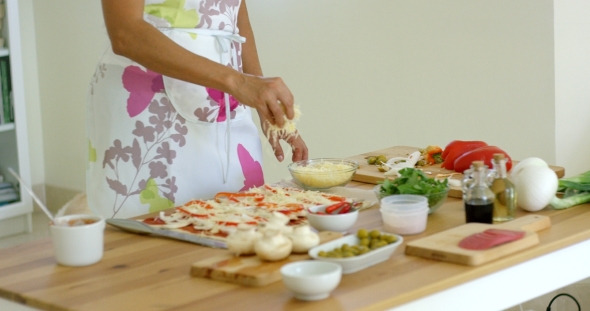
(251, 65)
(139, 41)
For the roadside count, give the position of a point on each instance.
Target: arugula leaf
(413, 181)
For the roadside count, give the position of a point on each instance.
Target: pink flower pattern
(142, 86)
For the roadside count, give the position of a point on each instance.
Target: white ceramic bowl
(311, 279)
(336, 223)
(356, 263)
(321, 174)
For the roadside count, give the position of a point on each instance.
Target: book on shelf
(5, 90)
(8, 193)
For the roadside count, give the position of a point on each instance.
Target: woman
(169, 107)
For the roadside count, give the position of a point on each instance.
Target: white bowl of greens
(413, 181)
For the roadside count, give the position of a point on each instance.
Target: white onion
(535, 187)
(532, 161)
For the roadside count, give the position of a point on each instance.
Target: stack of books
(8, 193)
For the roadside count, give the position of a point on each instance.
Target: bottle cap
(477, 164)
(498, 157)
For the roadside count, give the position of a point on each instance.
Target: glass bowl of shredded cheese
(321, 174)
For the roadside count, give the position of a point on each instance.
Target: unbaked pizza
(218, 217)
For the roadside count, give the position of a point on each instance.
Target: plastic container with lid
(404, 214)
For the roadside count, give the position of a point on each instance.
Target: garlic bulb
(273, 246)
(304, 239)
(241, 242)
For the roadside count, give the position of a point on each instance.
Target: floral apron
(156, 142)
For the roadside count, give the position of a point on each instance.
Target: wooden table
(148, 273)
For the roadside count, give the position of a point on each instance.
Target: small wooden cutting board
(444, 245)
(249, 270)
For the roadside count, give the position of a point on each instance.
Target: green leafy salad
(413, 181)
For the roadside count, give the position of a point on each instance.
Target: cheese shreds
(323, 175)
(288, 129)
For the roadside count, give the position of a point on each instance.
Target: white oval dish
(356, 263)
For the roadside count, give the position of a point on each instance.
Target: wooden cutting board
(249, 270)
(444, 245)
(370, 174)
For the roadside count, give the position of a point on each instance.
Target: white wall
(70, 39)
(572, 84)
(367, 75)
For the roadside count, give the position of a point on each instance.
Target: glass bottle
(477, 195)
(503, 189)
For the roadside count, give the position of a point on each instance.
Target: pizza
(218, 217)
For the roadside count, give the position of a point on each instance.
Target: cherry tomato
(345, 209)
(334, 207)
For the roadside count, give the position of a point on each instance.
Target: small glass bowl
(321, 174)
(435, 200)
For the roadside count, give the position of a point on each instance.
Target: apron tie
(224, 44)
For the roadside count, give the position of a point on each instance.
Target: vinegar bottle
(477, 196)
(503, 189)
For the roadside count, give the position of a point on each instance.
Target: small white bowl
(356, 263)
(336, 222)
(311, 279)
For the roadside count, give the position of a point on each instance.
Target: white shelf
(14, 153)
(6, 127)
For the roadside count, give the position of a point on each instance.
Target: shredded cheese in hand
(289, 129)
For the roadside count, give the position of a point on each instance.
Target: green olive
(362, 233)
(389, 238)
(371, 160)
(375, 234)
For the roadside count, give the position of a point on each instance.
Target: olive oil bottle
(503, 189)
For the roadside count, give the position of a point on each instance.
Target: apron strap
(224, 44)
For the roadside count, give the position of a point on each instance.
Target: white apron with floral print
(157, 142)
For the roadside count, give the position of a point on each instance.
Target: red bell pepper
(485, 154)
(457, 150)
(458, 143)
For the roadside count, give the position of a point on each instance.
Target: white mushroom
(303, 239)
(273, 246)
(241, 242)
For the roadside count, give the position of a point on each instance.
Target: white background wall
(367, 75)
(572, 83)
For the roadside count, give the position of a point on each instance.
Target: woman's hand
(269, 96)
(297, 144)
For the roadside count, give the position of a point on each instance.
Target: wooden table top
(148, 273)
